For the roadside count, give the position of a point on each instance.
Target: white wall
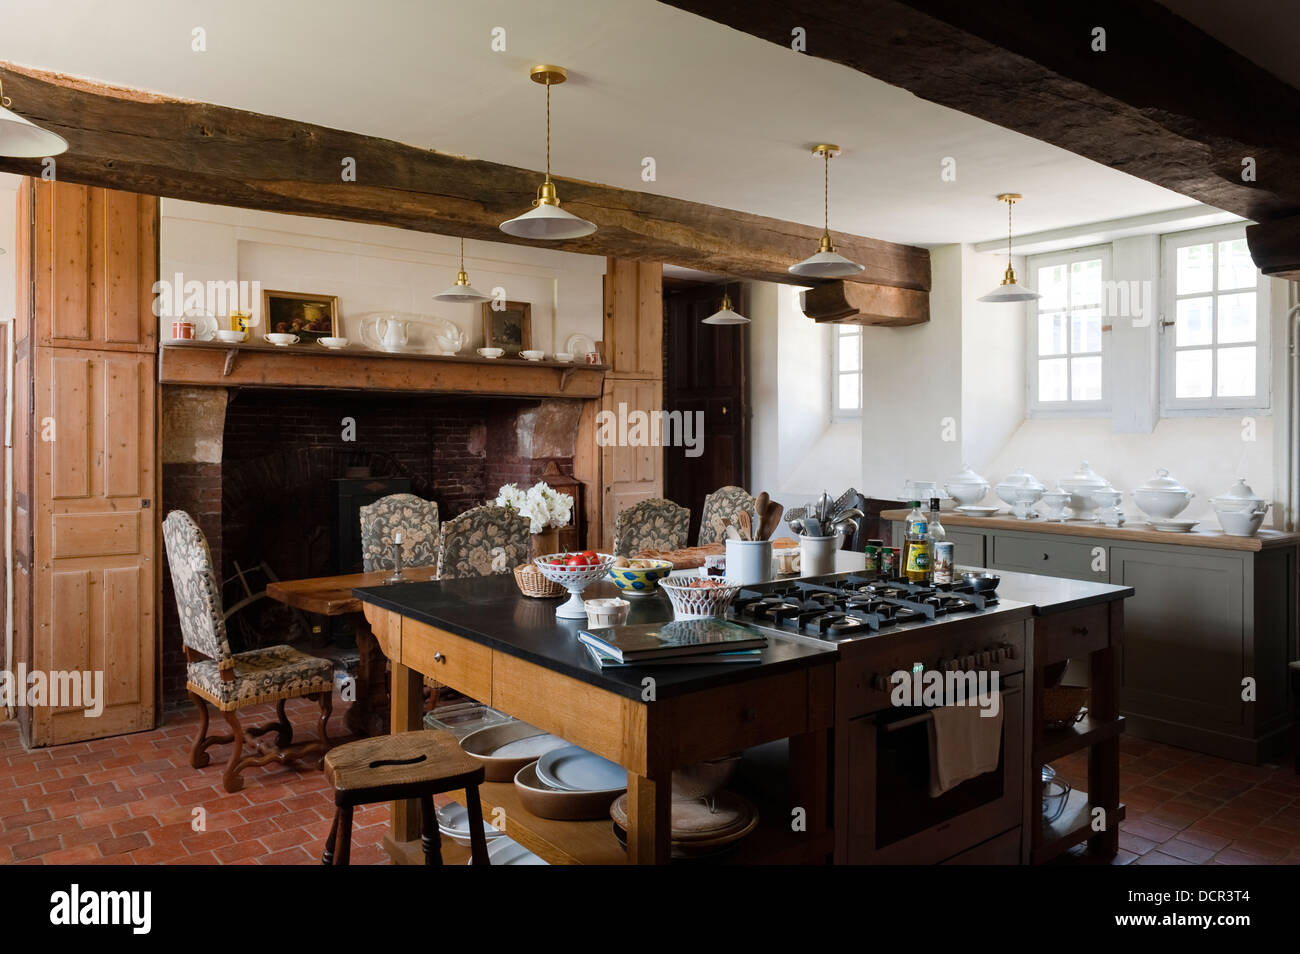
(374, 268)
(8, 213)
(992, 362)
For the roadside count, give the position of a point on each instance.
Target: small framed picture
(300, 313)
(510, 328)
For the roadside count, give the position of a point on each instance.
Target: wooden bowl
(484, 742)
(545, 802)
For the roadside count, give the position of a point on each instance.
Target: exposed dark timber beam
(1165, 102)
(1275, 247)
(846, 303)
(140, 142)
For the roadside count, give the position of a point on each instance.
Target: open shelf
(1073, 826)
(1087, 731)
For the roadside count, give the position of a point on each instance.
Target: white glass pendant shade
(23, 139)
(726, 315)
(826, 265)
(547, 222)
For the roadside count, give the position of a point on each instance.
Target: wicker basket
(1063, 706)
(532, 583)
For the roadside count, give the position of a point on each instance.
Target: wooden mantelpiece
(302, 366)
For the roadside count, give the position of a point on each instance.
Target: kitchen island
(483, 638)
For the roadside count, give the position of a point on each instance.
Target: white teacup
(230, 336)
(280, 339)
(334, 342)
(491, 352)
(532, 355)
(563, 356)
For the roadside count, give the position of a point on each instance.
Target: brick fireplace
(255, 467)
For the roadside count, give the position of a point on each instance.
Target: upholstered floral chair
(654, 524)
(723, 502)
(417, 520)
(231, 681)
(483, 541)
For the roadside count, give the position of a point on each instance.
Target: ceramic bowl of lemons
(639, 577)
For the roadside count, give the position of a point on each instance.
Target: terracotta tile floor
(1190, 809)
(130, 800)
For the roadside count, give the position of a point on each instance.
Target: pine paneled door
(91, 439)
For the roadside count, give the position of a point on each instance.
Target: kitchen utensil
(1056, 792)
(730, 530)
(982, 582)
(772, 520)
(1238, 497)
(1162, 497)
(575, 579)
(760, 509)
(796, 524)
(505, 749)
(745, 522)
(574, 769)
(813, 527)
(545, 801)
(1241, 523)
(824, 508)
(704, 778)
(846, 526)
(749, 561)
(1172, 526)
(1080, 486)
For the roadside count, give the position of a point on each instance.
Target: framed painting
(509, 328)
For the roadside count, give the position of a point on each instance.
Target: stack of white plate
(574, 769)
(453, 821)
(507, 851)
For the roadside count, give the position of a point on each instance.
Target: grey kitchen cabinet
(968, 549)
(1209, 631)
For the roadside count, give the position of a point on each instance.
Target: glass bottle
(916, 561)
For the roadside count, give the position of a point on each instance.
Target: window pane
(1237, 317)
(1194, 316)
(1195, 269)
(1085, 379)
(1051, 285)
(1052, 385)
(1192, 374)
(1236, 372)
(1051, 334)
(850, 392)
(1085, 283)
(1085, 330)
(1236, 270)
(850, 352)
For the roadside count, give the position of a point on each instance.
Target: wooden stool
(415, 765)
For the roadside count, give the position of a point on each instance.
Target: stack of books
(682, 642)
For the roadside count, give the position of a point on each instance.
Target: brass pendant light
(1010, 289)
(462, 290)
(546, 220)
(826, 263)
(725, 315)
(23, 139)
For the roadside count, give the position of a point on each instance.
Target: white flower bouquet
(544, 506)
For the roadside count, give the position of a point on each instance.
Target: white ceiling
(727, 117)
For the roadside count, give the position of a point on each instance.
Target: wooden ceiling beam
(140, 142)
(1164, 102)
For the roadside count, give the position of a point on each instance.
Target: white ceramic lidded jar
(1239, 497)
(1080, 486)
(1240, 511)
(1162, 497)
(1018, 481)
(967, 488)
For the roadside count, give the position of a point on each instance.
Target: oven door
(893, 820)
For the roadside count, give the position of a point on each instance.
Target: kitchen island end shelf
(481, 637)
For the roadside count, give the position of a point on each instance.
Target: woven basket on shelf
(533, 583)
(1063, 705)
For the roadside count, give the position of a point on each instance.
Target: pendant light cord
(462, 253)
(826, 196)
(548, 130)
(1010, 203)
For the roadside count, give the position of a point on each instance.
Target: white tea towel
(963, 744)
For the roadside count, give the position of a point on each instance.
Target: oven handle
(926, 717)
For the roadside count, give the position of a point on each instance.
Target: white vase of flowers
(545, 508)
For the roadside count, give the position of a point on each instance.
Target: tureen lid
(1022, 479)
(1241, 490)
(967, 476)
(1162, 481)
(1085, 476)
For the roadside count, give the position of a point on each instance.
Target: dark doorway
(704, 370)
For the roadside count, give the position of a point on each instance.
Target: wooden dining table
(332, 596)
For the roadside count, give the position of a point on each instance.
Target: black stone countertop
(491, 610)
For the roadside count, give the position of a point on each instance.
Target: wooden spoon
(746, 525)
(771, 520)
(760, 512)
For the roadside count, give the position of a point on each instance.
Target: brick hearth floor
(129, 800)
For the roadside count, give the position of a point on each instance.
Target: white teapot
(450, 341)
(391, 332)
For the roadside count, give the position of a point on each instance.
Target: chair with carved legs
(232, 681)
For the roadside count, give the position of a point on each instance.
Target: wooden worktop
(1134, 531)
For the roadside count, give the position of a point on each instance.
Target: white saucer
(1172, 526)
(973, 511)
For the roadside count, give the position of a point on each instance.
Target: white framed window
(1214, 324)
(1067, 340)
(846, 371)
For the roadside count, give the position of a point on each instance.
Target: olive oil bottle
(917, 561)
